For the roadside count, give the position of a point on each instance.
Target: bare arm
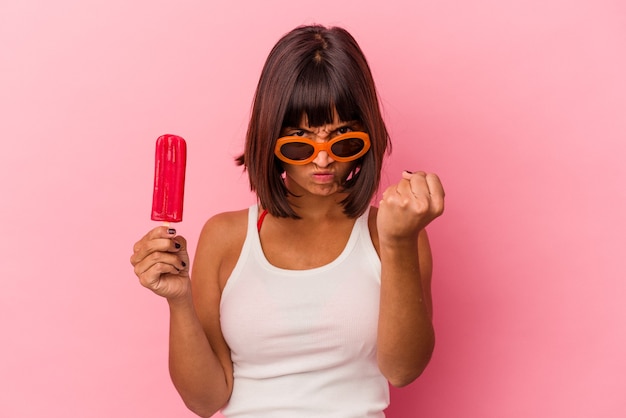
(406, 336)
(195, 369)
(199, 362)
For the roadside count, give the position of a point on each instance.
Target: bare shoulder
(220, 243)
(225, 227)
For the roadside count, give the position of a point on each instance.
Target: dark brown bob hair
(313, 71)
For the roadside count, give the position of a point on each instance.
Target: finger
(161, 232)
(155, 272)
(397, 194)
(152, 279)
(437, 192)
(407, 174)
(181, 241)
(155, 242)
(160, 263)
(144, 249)
(434, 184)
(158, 232)
(418, 185)
(181, 251)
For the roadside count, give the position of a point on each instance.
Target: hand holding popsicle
(160, 258)
(162, 264)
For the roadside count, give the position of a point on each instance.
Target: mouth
(323, 176)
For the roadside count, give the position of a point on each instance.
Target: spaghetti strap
(260, 221)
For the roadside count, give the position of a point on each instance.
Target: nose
(322, 159)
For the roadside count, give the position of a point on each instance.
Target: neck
(318, 207)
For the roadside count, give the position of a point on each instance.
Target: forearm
(405, 331)
(194, 368)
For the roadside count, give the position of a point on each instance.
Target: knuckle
(164, 268)
(422, 209)
(155, 258)
(160, 268)
(145, 280)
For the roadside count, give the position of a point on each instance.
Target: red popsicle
(169, 179)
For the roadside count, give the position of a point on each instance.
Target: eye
(298, 133)
(344, 130)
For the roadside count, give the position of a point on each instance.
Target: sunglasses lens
(297, 151)
(347, 147)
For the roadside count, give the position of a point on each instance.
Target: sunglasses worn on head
(299, 150)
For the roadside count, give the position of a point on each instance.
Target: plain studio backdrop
(519, 106)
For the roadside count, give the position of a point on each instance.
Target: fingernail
(171, 231)
(177, 245)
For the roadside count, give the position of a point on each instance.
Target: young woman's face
(323, 176)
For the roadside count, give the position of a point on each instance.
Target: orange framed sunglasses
(299, 150)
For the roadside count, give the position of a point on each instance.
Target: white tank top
(303, 342)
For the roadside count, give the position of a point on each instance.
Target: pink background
(519, 106)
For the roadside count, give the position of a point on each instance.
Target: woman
(310, 302)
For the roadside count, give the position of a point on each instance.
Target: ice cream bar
(169, 179)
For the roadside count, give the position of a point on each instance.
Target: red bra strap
(260, 221)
